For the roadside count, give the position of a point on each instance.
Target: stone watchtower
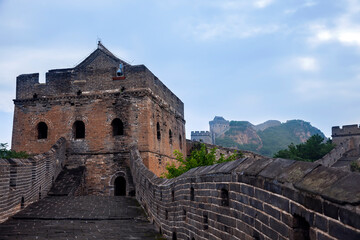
(218, 126)
(101, 107)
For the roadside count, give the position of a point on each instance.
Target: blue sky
(243, 60)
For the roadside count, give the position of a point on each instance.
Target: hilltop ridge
(265, 138)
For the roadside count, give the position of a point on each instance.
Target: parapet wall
(346, 130)
(24, 181)
(200, 133)
(334, 155)
(251, 199)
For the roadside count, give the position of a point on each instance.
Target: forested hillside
(267, 138)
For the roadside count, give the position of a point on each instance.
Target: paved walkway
(85, 217)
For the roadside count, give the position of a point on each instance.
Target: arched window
(170, 136)
(117, 127)
(158, 133)
(42, 130)
(79, 129)
(180, 141)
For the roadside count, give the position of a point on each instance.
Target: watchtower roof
(101, 50)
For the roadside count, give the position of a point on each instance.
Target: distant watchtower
(349, 133)
(218, 126)
(101, 106)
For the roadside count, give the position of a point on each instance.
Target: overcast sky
(251, 60)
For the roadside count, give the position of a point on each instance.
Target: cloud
(307, 4)
(262, 3)
(309, 64)
(343, 29)
(230, 27)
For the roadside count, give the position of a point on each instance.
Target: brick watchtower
(100, 106)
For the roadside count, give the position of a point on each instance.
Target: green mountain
(266, 138)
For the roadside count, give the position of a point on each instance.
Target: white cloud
(343, 29)
(307, 4)
(309, 64)
(230, 27)
(262, 3)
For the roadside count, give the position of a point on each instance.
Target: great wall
(251, 198)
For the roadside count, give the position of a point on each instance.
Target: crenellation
(346, 130)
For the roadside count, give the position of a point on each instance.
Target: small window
(206, 222)
(224, 197)
(174, 236)
(117, 127)
(192, 194)
(166, 214)
(120, 70)
(79, 130)
(42, 129)
(13, 174)
(172, 196)
(22, 204)
(170, 136)
(180, 141)
(158, 133)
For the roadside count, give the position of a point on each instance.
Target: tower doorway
(120, 186)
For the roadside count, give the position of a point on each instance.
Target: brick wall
(251, 199)
(24, 181)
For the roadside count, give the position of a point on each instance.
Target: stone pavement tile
(87, 217)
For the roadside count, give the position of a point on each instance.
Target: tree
(6, 154)
(313, 149)
(199, 157)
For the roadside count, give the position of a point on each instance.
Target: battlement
(98, 72)
(219, 120)
(346, 130)
(200, 133)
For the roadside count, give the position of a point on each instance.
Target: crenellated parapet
(200, 133)
(251, 199)
(201, 136)
(98, 72)
(346, 130)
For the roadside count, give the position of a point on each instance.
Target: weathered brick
(350, 218)
(321, 223)
(339, 231)
(272, 211)
(279, 227)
